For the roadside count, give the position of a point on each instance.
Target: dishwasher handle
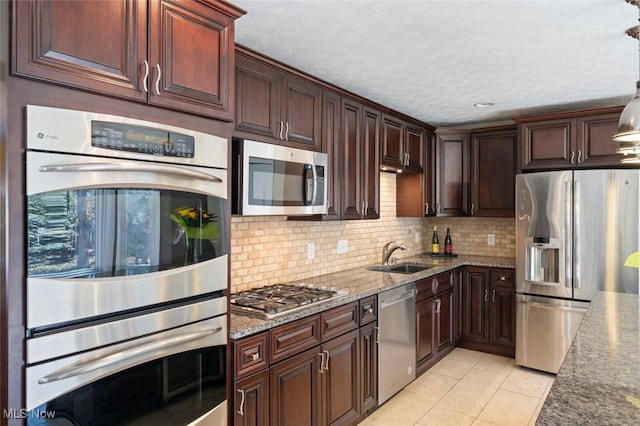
(405, 295)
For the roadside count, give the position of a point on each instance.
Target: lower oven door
(174, 377)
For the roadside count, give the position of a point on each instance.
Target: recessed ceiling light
(483, 104)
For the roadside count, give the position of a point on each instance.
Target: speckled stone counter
(599, 381)
(359, 283)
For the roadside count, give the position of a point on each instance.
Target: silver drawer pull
(255, 357)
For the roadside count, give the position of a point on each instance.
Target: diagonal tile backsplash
(271, 249)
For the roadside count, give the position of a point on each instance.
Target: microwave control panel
(143, 140)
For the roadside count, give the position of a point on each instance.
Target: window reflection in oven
(173, 390)
(99, 233)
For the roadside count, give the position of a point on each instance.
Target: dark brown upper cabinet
(402, 145)
(176, 54)
(452, 172)
(580, 139)
(493, 170)
(276, 105)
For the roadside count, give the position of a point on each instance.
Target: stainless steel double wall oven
(127, 271)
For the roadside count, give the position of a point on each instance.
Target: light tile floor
(468, 388)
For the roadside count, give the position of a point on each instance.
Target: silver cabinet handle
(473, 208)
(158, 79)
(366, 207)
(438, 208)
(241, 410)
(485, 294)
(438, 303)
(493, 296)
(255, 357)
(281, 129)
(286, 133)
(326, 362)
(145, 85)
(129, 167)
(579, 157)
(426, 209)
(321, 371)
(573, 156)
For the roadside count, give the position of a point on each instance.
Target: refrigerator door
(545, 328)
(606, 231)
(544, 233)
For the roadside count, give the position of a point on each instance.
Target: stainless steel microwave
(277, 180)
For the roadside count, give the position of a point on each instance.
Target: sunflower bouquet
(196, 223)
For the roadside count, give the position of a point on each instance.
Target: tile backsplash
(271, 249)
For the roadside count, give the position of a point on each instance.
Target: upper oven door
(278, 180)
(107, 235)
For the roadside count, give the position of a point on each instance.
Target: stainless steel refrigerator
(574, 229)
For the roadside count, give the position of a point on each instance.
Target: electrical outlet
(311, 251)
(491, 239)
(343, 246)
(417, 237)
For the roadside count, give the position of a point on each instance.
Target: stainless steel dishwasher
(396, 340)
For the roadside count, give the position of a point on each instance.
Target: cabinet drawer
(368, 310)
(425, 288)
(502, 277)
(338, 321)
(443, 282)
(292, 338)
(250, 355)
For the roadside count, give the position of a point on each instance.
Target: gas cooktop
(275, 300)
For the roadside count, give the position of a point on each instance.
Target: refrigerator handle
(568, 256)
(576, 235)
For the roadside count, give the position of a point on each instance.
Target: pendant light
(628, 134)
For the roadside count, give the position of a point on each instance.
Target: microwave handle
(308, 184)
(129, 167)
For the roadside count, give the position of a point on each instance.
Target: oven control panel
(143, 140)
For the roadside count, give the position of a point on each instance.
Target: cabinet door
(77, 44)
(392, 143)
(452, 187)
(414, 145)
(331, 146)
(547, 144)
(493, 170)
(352, 197)
(257, 98)
(445, 323)
(342, 379)
(301, 111)
(371, 164)
(425, 348)
(251, 400)
(415, 195)
(503, 308)
(191, 55)
(475, 297)
(595, 134)
(368, 367)
(295, 393)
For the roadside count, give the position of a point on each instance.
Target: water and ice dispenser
(543, 259)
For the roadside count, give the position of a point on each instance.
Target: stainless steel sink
(400, 268)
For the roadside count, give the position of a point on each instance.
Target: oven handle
(129, 167)
(161, 348)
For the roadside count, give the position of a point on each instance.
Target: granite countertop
(599, 381)
(359, 283)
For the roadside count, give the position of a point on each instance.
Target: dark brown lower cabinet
(368, 368)
(331, 382)
(295, 390)
(251, 405)
(488, 310)
(434, 319)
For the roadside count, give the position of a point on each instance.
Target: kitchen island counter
(358, 283)
(599, 381)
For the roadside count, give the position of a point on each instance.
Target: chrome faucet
(388, 250)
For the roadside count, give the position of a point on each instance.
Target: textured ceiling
(434, 59)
